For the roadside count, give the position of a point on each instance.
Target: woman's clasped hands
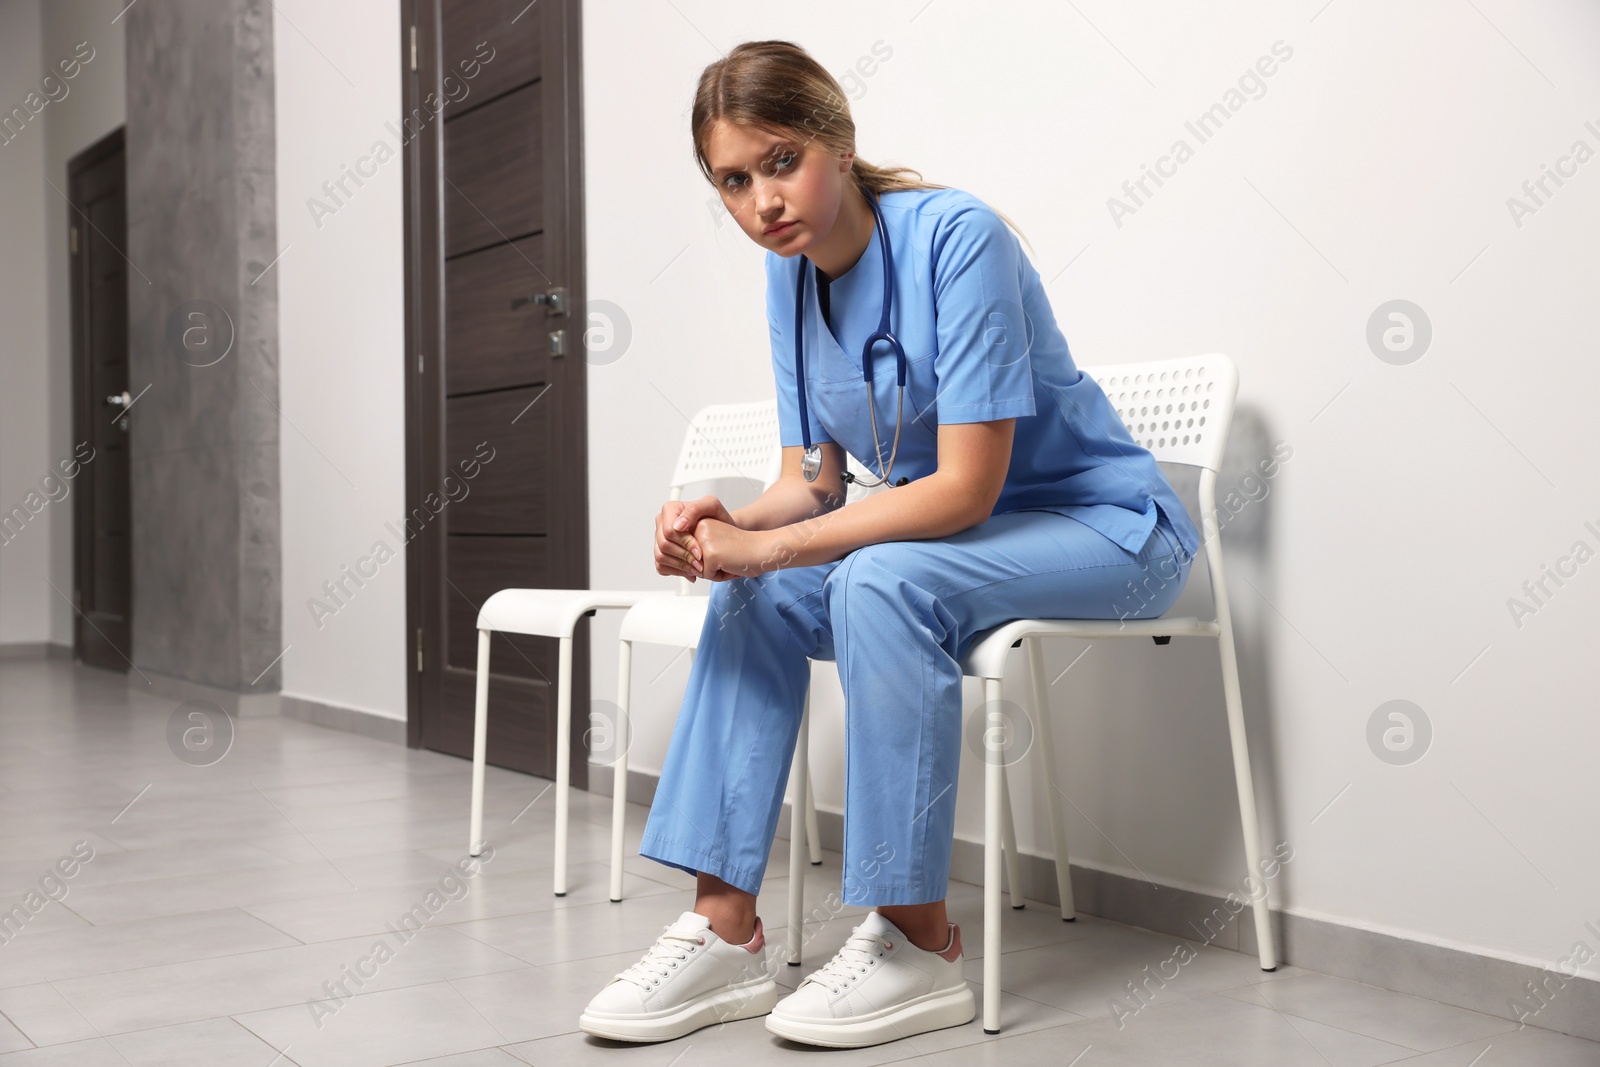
(699, 539)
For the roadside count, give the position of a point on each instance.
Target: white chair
(1181, 410)
(732, 438)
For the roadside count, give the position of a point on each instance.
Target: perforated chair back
(730, 441)
(1179, 409)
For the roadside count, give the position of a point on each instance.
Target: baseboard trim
(239, 705)
(35, 650)
(256, 705)
(1549, 998)
(350, 720)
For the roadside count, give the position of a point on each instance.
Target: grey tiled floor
(221, 904)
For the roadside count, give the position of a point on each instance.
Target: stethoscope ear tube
(811, 462)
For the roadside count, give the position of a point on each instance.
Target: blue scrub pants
(896, 616)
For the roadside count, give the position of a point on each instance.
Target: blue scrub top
(982, 344)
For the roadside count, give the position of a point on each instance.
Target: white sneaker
(688, 979)
(878, 987)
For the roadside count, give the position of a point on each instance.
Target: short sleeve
(780, 321)
(982, 363)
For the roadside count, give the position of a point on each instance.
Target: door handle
(121, 400)
(555, 300)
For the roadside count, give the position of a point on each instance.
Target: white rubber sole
(743, 1001)
(933, 1011)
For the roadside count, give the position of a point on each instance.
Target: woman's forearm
(935, 506)
(783, 504)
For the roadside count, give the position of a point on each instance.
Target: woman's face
(768, 180)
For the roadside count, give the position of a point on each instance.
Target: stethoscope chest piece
(811, 463)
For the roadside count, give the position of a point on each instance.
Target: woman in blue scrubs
(1024, 496)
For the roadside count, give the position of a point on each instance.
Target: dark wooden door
(496, 465)
(102, 419)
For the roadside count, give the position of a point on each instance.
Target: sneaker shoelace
(859, 952)
(673, 945)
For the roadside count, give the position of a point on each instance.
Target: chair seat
(674, 620)
(986, 657)
(554, 612)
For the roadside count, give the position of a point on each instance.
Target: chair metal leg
(1008, 836)
(1047, 753)
(480, 728)
(799, 778)
(1241, 761)
(619, 779)
(563, 758)
(992, 798)
(813, 838)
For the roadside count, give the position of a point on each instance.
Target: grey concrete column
(203, 337)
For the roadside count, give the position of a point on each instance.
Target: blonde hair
(777, 86)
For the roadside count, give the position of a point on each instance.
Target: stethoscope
(811, 462)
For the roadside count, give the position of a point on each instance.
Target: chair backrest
(730, 441)
(1179, 409)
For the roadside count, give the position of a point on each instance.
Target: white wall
(24, 334)
(341, 333)
(1377, 564)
